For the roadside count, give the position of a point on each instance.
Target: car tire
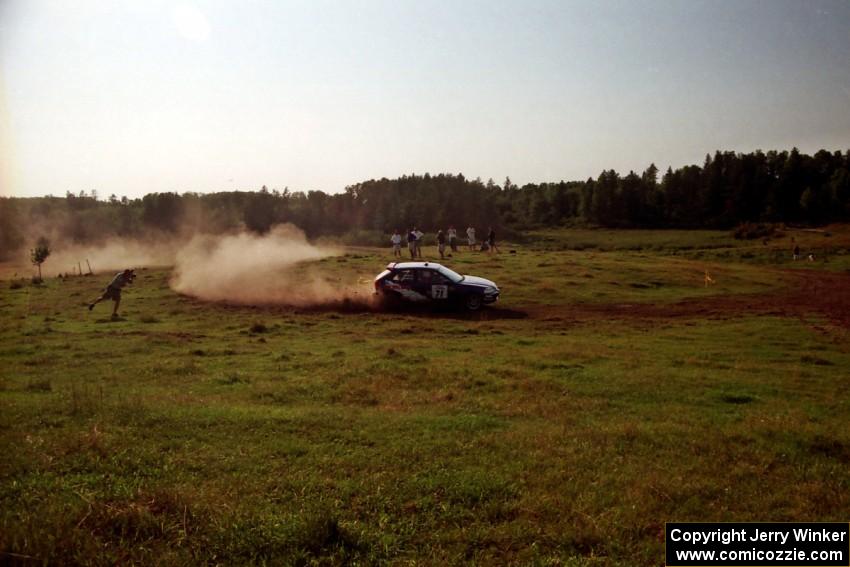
(473, 302)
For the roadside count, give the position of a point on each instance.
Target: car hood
(475, 280)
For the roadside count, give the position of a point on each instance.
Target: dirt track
(819, 293)
(806, 293)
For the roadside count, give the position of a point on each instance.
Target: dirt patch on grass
(807, 292)
(825, 294)
(345, 305)
(353, 306)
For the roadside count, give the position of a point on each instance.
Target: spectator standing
(411, 243)
(396, 240)
(491, 241)
(441, 243)
(452, 238)
(470, 237)
(418, 242)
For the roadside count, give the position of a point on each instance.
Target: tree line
(727, 189)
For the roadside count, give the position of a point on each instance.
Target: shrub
(39, 254)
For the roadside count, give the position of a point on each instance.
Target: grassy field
(562, 427)
(830, 245)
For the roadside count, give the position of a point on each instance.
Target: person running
(491, 241)
(441, 243)
(411, 243)
(452, 238)
(418, 242)
(396, 240)
(113, 290)
(470, 237)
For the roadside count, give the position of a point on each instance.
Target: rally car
(424, 282)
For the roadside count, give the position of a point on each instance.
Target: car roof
(410, 265)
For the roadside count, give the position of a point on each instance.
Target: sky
(129, 97)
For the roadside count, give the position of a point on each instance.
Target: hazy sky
(136, 96)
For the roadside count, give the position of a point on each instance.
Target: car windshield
(451, 274)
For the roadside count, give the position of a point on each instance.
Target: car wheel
(473, 302)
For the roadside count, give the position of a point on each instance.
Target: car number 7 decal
(439, 291)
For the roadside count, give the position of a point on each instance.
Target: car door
(433, 284)
(405, 283)
(401, 280)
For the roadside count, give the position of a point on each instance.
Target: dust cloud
(240, 267)
(247, 268)
(106, 256)
(112, 255)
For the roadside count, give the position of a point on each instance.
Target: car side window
(432, 277)
(403, 276)
(439, 279)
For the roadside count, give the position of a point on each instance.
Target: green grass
(830, 245)
(187, 432)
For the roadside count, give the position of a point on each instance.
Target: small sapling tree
(40, 253)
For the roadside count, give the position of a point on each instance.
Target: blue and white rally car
(421, 282)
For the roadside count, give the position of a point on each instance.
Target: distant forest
(729, 188)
